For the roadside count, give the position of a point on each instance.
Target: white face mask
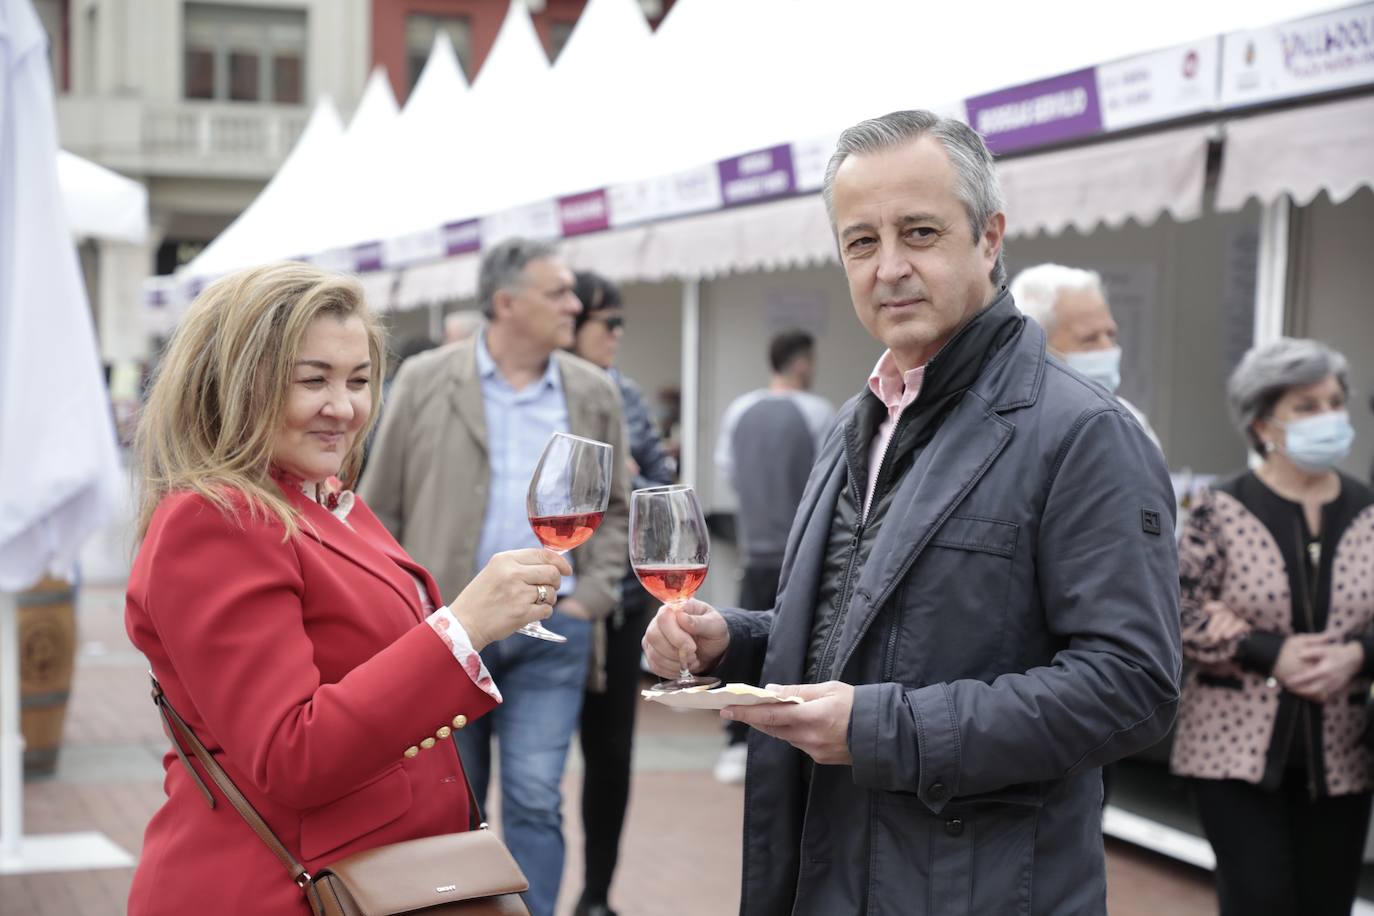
(1102, 366)
(1318, 443)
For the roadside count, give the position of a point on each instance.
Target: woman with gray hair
(1276, 569)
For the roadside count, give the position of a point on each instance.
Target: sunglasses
(612, 322)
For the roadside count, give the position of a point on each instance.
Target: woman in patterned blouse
(1276, 569)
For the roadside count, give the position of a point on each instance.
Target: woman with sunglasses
(608, 711)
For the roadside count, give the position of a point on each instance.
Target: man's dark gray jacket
(1013, 627)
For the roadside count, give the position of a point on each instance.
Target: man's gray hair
(1036, 289)
(977, 188)
(503, 267)
(1269, 370)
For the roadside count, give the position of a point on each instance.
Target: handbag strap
(175, 726)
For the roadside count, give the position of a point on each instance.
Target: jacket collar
(1013, 371)
(374, 554)
(969, 359)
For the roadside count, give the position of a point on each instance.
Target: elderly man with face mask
(979, 600)
(1070, 305)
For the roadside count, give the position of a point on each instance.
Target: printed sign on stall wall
(692, 191)
(463, 236)
(581, 213)
(1160, 86)
(532, 221)
(809, 159)
(414, 247)
(1318, 54)
(1038, 114)
(757, 176)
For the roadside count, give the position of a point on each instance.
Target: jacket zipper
(842, 610)
(1306, 708)
(823, 669)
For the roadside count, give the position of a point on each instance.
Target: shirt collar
(896, 389)
(488, 370)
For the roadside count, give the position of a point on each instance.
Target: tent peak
(377, 105)
(516, 55)
(605, 30)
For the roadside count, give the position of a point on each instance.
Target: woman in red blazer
(308, 652)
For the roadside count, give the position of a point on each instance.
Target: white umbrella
(59, 467)
(100, 203)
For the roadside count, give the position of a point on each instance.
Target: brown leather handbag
(470, 873)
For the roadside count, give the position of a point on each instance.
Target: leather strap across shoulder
(178, 731)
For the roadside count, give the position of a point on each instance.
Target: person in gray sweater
(768, 442)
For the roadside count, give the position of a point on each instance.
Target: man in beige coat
(448, 474)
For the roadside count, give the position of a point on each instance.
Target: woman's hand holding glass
(517, 587)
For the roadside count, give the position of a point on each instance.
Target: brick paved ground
(110, 780)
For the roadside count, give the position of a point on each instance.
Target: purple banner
(581, 213)
(462, 237)
(367, 256)
(1037, 114)
(757, 176)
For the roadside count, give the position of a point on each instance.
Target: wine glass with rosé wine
(669, 552)
(567, 500)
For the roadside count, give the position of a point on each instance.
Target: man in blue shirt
(448, 476)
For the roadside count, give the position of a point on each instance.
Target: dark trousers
(1279, 853)
(607, 733)
(758, 591)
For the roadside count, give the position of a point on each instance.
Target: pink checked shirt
(897, 390)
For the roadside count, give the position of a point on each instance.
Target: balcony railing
(212, 139)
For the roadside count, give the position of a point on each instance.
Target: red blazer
(307, 670)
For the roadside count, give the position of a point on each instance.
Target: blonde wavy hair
(218, 396)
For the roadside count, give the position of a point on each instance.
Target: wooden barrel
(47, 654)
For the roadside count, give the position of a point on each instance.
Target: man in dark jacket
(980, 592)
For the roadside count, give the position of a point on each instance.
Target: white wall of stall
(1183, 296)
(1332, 299)
(740, 314)
(651, 352)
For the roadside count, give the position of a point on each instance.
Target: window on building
(420, 31)
(238, 54)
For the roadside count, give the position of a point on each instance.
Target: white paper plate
(716, 698)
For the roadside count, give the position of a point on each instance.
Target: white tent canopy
(347, 170)
(399, 170)
(718, 79)
(268, 229)
(424, 185)
(500, 119)
(101, 204)
(609, 43)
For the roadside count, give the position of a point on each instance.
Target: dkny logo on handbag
(446, 889)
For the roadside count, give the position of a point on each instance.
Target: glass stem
(684, 673)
